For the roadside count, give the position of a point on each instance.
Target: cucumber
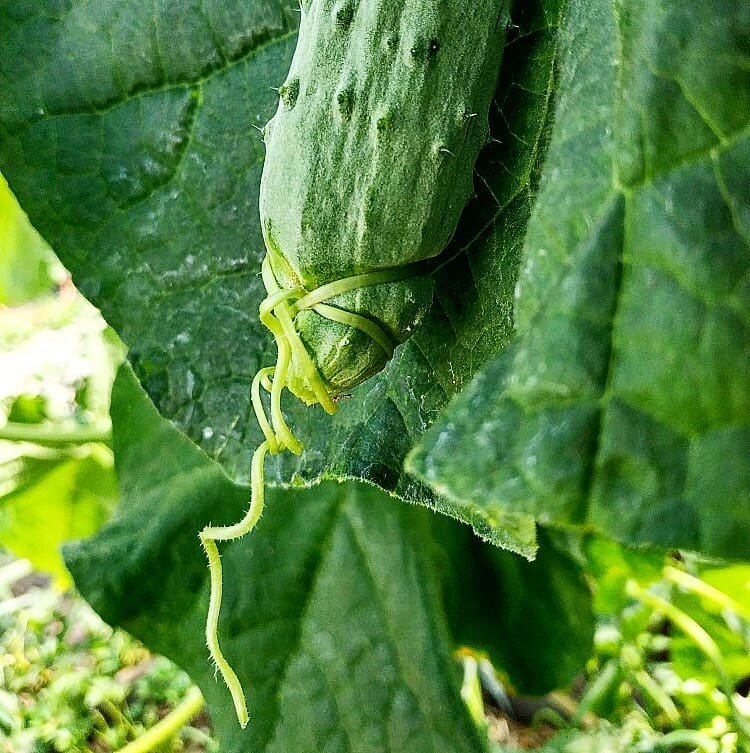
(369, 162)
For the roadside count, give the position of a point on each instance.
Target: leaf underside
(339, 612)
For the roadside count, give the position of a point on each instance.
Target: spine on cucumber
(369, 161)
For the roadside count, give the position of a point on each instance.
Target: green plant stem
(14, 571)
(698, 635)
(471, 690)
(548, 715)
(689, 737)
(658, 696)
(701, 588)
(100, 431)
(602, 683)
(116, 715)
(169, 726)
(14, 604)
(100, 723)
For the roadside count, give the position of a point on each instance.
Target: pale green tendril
(277, 312)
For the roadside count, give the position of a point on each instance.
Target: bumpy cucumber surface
(369, 160)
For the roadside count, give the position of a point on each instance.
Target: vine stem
(108, 705)
(658, 696)
(701, 588)
(693, 738)
(169, 726)
(277, 313)
(209, 536)
(99, 431)
(601, 685)
(698, 635)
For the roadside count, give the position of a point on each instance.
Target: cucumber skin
(369, 158)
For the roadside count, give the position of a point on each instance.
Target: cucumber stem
(597, 690)
(658, 696)
(701, 588)
(471, 690)
(689, 737)
(169, 726)
(49, 434)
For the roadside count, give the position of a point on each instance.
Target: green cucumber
(369, 160)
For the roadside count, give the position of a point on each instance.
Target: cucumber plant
(369, 162)
(613, 192)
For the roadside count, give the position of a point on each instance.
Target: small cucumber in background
(369, 163)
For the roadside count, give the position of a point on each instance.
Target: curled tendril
(277, 312)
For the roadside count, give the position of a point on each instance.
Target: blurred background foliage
(69, 682)
(29, 269)
(57, 363)
(72, 683)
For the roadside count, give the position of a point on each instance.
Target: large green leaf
(56, 369)
(332, 613)
(624, 403)
(334, 610)
(126, 131)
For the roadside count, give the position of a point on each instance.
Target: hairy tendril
(277, 312)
